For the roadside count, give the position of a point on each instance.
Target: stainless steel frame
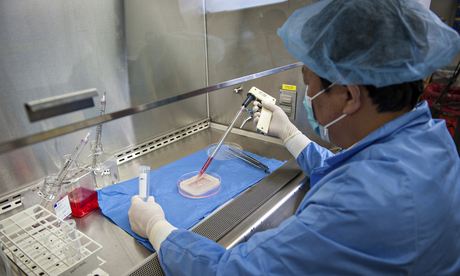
(59, 131)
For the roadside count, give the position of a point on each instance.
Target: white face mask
(322, 131)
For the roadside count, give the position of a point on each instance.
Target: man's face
(327, 106)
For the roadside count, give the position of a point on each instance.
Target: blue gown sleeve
(313, 156)
(338, 231)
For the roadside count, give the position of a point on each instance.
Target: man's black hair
(394, 97)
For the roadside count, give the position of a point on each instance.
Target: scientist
(389, 203)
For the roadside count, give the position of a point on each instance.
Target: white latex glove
(148, 220)
(281, 126)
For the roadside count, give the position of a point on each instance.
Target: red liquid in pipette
(208, 162)
(205, 166)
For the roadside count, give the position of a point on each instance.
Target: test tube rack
(35, 242)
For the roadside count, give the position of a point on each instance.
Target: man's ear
(354, 100)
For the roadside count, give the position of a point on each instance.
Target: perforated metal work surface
(223, 221)
(150, 267)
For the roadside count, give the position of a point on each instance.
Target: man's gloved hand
(144, 214)
(147, 219)
(281, 126)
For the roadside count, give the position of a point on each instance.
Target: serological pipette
(248, 100)
(53, 184)
(70, 160)
(97, 148)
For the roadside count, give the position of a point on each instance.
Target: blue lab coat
(388, 205)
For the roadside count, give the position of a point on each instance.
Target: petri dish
(190, 186)
(223, 153)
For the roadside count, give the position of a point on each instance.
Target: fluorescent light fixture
(233, 5)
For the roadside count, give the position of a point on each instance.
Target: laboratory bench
(260, 207)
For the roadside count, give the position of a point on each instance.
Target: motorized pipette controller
(265, 115)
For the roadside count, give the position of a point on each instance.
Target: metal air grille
(11, 202)
(160, 141)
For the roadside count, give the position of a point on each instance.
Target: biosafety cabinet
(172, 75)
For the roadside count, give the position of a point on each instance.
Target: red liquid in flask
(82, 201)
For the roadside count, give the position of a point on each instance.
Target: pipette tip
(86, 137)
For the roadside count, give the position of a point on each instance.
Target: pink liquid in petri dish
(192, 185)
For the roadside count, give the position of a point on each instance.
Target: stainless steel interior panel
(244, 41)
(166, 118)
(166, 56)
(48, 48)
(53, 47)
(166, 48)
